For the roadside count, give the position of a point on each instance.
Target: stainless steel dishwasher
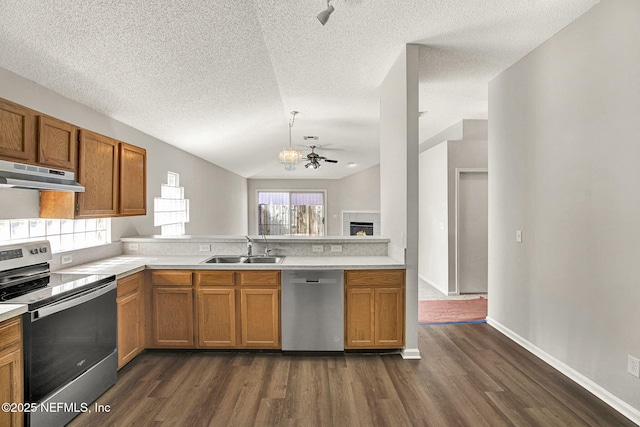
(312, 310)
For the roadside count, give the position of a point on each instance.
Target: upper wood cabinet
(17, 133)
(133, 180)
(57, 143)
(27, 136)
(114, 175)
(98, 163)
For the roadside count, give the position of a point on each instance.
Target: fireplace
(361, 228)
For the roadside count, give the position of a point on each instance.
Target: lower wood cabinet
(130, 302)
(215, 309)
(260, 314)
(11, 371)
(238, 309)
(374, 308)
(172, 309)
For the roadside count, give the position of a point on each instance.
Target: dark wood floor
(470, 375)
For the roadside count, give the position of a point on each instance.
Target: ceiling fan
(314, 159)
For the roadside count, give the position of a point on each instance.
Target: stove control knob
(34, 251)
(43, 250)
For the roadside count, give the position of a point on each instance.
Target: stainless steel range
(69, 333)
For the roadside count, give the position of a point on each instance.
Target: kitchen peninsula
(170, 297)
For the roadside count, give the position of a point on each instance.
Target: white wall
(564, 167)
(434, 218)
(218, 197)
(399, 176)
(360, 191)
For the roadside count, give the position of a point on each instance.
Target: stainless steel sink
(225, 259)
(239, 259)
(264, 260)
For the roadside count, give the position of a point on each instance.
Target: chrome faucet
(266, 245)
(249, 246)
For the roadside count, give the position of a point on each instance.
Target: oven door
(64, 339)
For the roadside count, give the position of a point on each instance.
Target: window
(291, 213)
(171, 209)
(63, 234)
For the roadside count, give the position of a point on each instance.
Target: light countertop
(125, 265)
(256, 238)
(7, 311)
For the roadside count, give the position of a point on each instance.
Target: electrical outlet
(633, 366)
(317, 248)
(66, 259)
(519, 236)
(205, 248)
(133, 246)
(336, 248)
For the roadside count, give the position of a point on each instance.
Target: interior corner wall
(433, 266)
(218, 197)
(563, 156)
(399, 166)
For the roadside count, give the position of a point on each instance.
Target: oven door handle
(73, 301)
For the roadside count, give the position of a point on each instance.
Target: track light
(323, 16)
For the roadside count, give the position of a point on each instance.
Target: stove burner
(15, 291)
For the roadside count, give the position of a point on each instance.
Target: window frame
(256, 212)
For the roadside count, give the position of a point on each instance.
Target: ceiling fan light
(323, 16)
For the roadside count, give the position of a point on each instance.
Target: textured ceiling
(218, 79)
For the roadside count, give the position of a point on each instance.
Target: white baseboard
(616, 403)
(410, 354)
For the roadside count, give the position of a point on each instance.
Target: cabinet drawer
(247, 278)
(128, 285)
(217, 278)
(173, 278)
(10, 332)
(374, 277)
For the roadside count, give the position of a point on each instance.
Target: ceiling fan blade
(330, 161)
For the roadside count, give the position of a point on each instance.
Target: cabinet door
(130, 328)
(98, 172)
(389, 317)
(260, 317)
(360, 314)
(172, 316)
(11, 372)
(216, 317)
(57, 143)
(17, 133)
(133, 180)
(11, 385)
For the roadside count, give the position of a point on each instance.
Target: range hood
(19, 175)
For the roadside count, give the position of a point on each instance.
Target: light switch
(519, 236)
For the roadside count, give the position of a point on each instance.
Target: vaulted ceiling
(219, 79)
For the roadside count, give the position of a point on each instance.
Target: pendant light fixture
(290, 157)
(323, 16)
